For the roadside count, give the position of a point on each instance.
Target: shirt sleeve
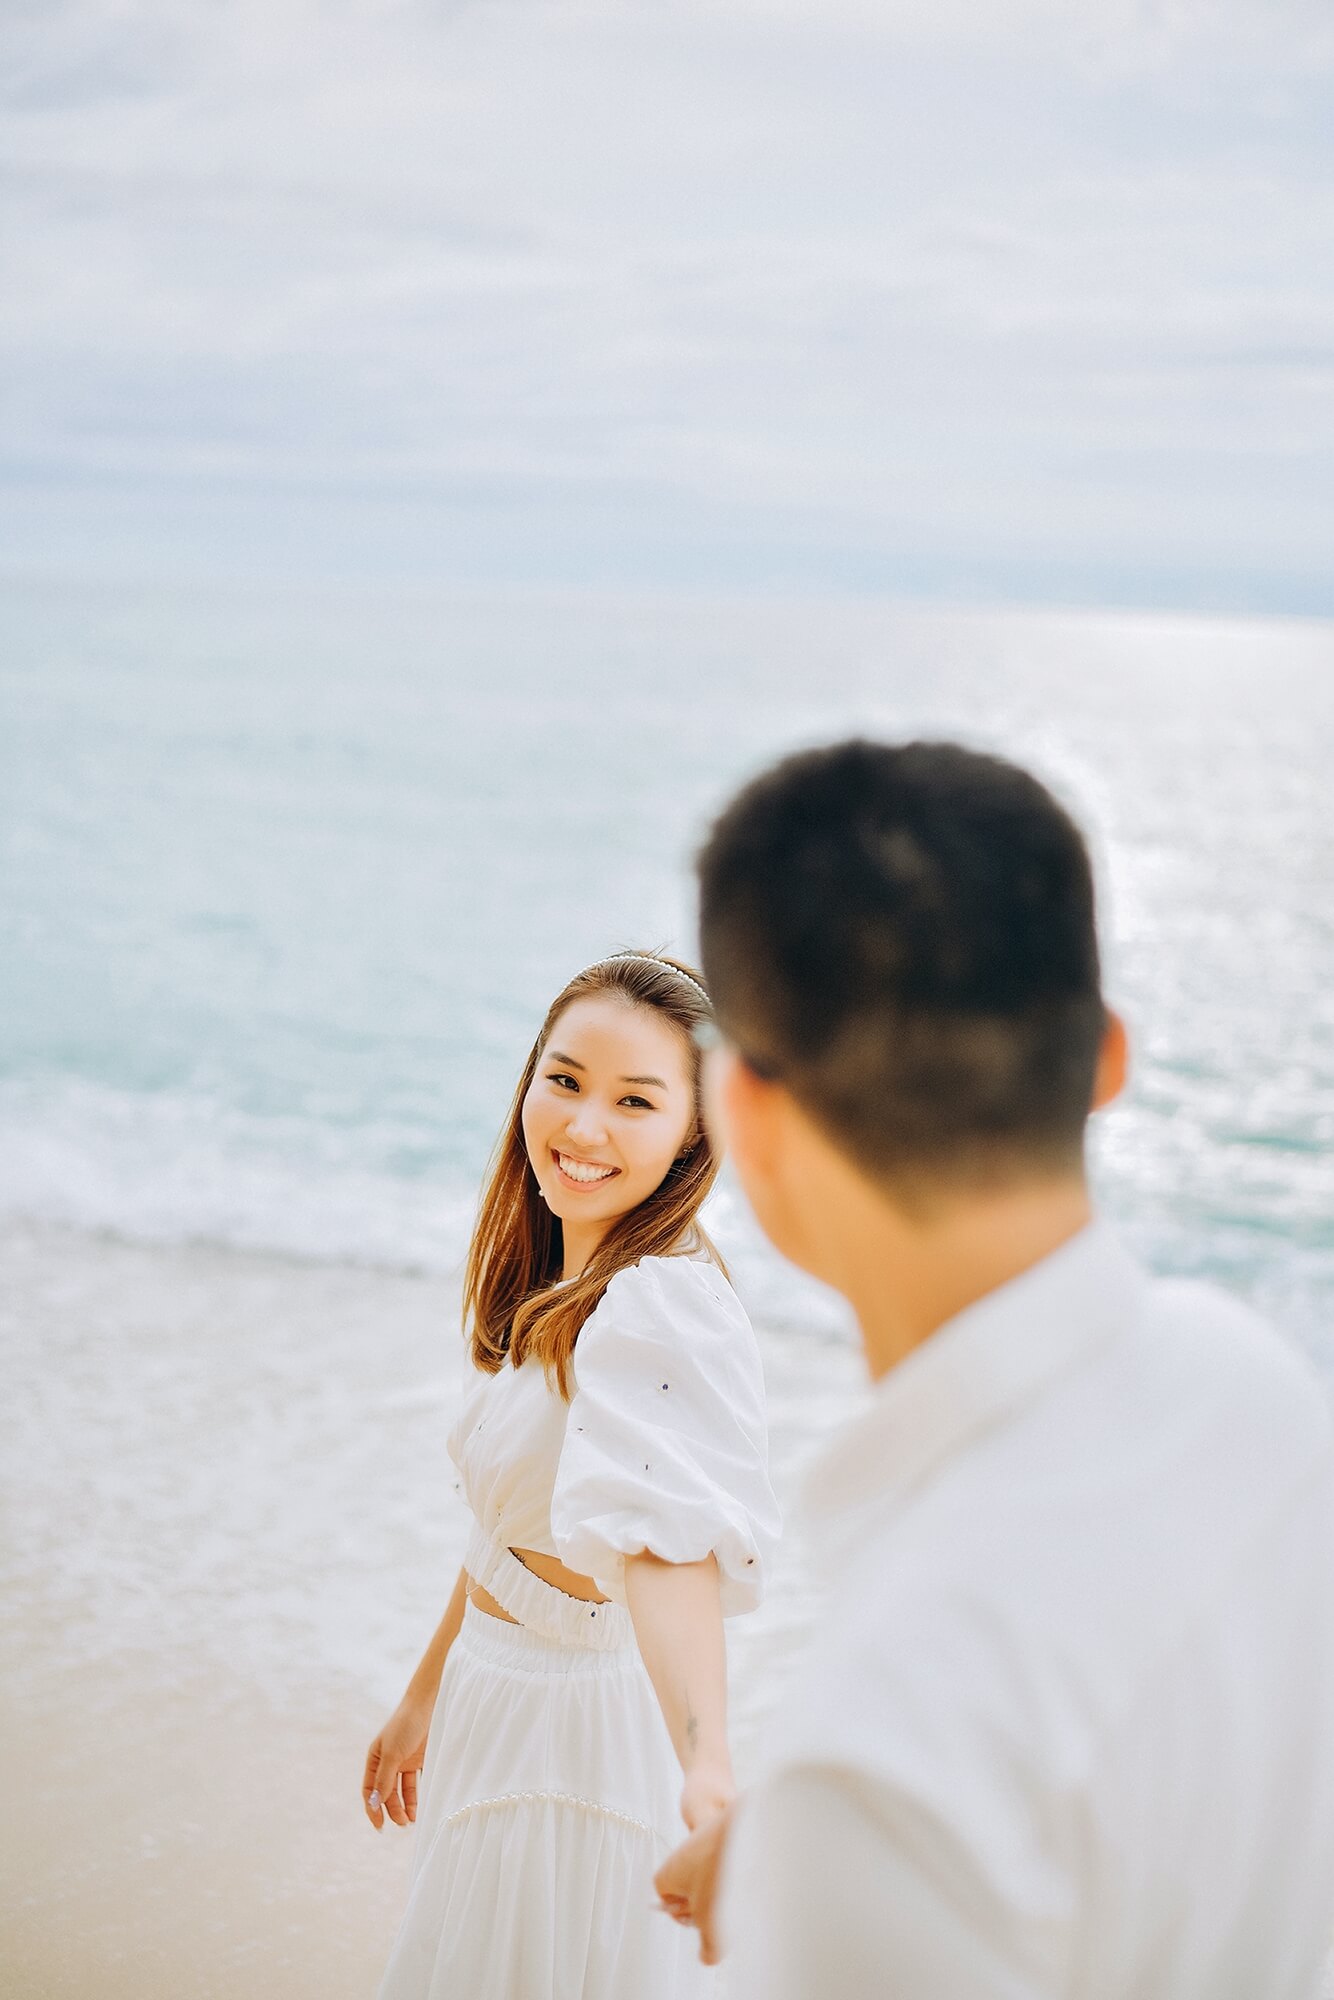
(826, 1889)
(666, 1440)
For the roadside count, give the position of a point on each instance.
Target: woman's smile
(577, 1173)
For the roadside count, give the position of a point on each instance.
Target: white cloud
(986, 279)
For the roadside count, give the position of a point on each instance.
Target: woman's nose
(586, 1124)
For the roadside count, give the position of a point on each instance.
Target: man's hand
(688, 1882)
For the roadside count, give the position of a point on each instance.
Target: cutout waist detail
(486, 1602)
(541, 1606)
(553, 1571)
(534, 1560)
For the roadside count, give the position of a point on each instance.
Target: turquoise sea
(287, 884)
(288, 879)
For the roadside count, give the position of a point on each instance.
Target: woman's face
(610, 1106)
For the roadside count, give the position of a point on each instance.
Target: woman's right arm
(389, 1784)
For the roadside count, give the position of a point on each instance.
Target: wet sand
(182, 1718)
(189, 1840)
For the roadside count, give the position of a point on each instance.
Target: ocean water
(288, 880)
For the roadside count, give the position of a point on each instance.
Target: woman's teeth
(579, 1171)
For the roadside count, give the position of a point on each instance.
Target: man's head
(901, 939)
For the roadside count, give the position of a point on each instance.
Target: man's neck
(905, 1279)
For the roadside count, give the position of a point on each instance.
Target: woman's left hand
(687, 1883)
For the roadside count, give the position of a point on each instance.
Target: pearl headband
(662, 964)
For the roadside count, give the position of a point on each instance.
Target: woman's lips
(579, 1185)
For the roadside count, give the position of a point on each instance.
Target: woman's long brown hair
(510, 1307)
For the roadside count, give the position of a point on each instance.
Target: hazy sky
(986, 300)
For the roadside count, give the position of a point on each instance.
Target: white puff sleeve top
(666, 1442)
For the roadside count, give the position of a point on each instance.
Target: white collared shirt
(1067, 1725)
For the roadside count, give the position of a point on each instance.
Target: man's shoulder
(1198, 1391)
(1039, 1578)
(1238, 1335)
(1217, 1381)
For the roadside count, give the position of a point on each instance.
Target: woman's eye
(563, 1078)
(640, 1103)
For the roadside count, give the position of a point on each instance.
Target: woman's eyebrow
(570, 1062)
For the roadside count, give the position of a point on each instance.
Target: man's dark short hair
(904, 935)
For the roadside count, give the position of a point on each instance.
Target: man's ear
(1109, 1079)
(739, 1110)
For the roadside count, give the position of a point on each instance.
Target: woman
(612, 1448)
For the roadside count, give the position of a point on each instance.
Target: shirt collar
(976, 1371)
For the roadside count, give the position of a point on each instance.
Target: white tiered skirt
(549, 1797)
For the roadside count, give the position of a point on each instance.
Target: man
(1067, 1725)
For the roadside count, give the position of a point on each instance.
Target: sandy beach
(229, 1527)
(190, 1839)
(174, 1719)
